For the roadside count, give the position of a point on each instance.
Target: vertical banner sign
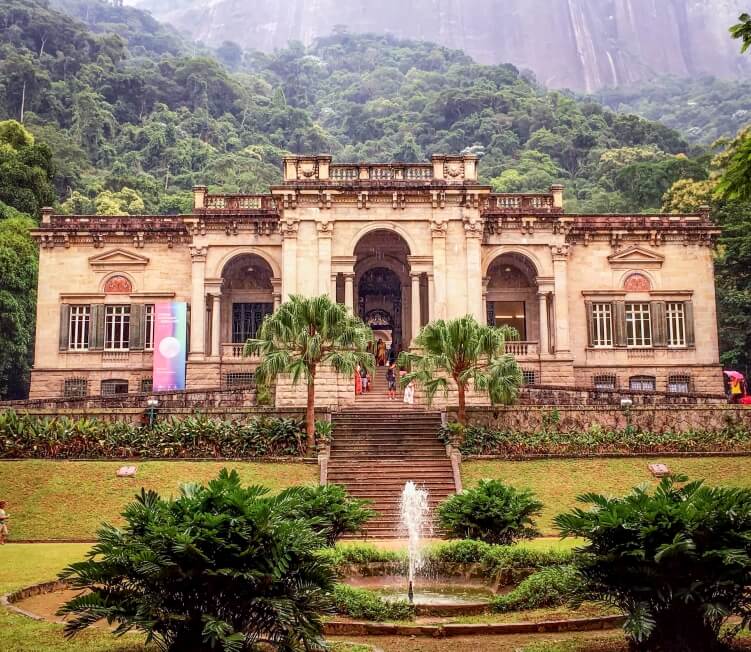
(170, 345)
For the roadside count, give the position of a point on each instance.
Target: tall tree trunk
(310, 412)
(23, 100)
(462, 403)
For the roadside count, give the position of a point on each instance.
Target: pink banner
(170, 345)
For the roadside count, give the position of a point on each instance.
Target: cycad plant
(304, 334)
(676, 560)
(467, 352)
(222, 567)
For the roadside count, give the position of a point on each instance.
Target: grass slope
(68, 500)
(558, 482)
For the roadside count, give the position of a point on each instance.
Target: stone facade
(613, 301)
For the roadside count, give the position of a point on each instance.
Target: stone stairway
(378, 445)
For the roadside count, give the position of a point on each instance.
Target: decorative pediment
(117, 259)
(636, 257)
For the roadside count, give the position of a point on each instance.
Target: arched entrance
(511, 297)
(247, 297)
(382, 286)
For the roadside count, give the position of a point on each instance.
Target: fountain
(415, 512)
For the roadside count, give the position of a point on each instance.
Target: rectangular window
(147, 385)
(602, 325)
(247, 319)
(75, 387)
(511, 313)
(676, 318)
(148, 327)
(605, 382)
(679, 384)
(113, 387)
(638, 326)
(641, 383)
(238, 379)
(116, 328)
(528, 377)
(78, 328)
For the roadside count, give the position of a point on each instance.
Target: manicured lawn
(558, 482)
(68, 500)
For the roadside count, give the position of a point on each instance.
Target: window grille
(147, 385)
(604, 382)
(638, 325)
(113, 387)
(78, 328)
(676, 319)
(237, 379)
(602, 325)
(528, 377)
(75, 387)
(642, 383)
(117, 328)
(679, 384)
(148, 327)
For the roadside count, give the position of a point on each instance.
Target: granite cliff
(579, 44)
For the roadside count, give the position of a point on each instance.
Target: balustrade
(240, 202)
(508, 202)
(520, 348)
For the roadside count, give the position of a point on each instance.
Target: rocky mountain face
(579, 44)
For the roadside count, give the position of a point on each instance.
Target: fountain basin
(434, 596)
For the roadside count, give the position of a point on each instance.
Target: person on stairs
(391, 380)
(358, 381)
(364, 379)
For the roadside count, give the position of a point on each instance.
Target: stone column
(333, 287)
(543, 299)
(324, 258)
(560, 275)
(438, 302)
(415, 304)
(485, 282)
(473, 232)
(216, 325)
(289, 258)
(198, 303)
(431, 298)
(276, 289)
(349, 291)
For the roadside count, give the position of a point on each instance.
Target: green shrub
(221, 566)
(677, 561)
(360, 553)
(491, 512)
(465, 551)
(549, 587)
(332, 511)
(23, 435)
(366, 605)
(593, 440)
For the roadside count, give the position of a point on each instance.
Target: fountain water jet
(415, 513)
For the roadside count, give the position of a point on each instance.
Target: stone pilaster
(473, 233)
(325, 231)
(560, 278)
(198, 303)
(289, 230)
(438, 301)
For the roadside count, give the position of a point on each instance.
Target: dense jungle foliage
(120, 114)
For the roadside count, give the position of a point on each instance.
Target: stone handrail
(383, 172)
(253, 202)
(516, 202)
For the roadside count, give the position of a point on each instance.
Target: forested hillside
(119, 115)
(701, 108)
(118, 111)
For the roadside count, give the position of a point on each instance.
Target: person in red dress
(358, 381)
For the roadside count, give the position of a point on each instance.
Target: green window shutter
(64, 326)
(136, 327)
(96, 330)
(590, 323)
(490, 309)
(688, 308)
(659, 324)
(619, 323)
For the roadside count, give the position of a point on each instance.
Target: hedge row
(478, 440)
(26, 436)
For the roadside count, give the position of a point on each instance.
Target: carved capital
(560, 252)
(198, 254)
(289, 228)
(438, 228)
(325, 229)
(473, 229)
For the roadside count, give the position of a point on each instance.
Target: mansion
(599, 301)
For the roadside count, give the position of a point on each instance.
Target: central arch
(382, 285)
(511, 295)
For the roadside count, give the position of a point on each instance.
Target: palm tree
(467, 351)
(303, 334)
